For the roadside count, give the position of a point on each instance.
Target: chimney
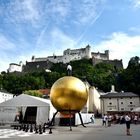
(112, 88)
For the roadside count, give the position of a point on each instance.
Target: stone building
(4, 96)
(36, 66)
(100, 56)
(68, 55)
(117, 102)
(43, 63)
(104, 58)
(13, 67)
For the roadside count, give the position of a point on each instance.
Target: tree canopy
(102, 75)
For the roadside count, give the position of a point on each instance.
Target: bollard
(50, 132)
(44, 128)
(36, 130)
(31, 128)
(27, 128)
(24, 127)
(40, 129)
(20, 127)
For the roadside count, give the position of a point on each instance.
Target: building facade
(4, 96)
(94, 101)
(13, 67)
(100, 56)
(117, 102)
(37, 66)
(68, 55)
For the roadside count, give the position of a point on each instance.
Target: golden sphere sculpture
(68, 94)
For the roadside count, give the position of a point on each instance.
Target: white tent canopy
(24, 100)
(137, 109)
(9, 108)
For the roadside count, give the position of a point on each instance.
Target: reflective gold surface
(69, 93)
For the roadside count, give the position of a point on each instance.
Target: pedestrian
(17, 117)
(135, 119)
(128, 122)
(20, 117)
(109, 120)
(104, 120)
(92, 118)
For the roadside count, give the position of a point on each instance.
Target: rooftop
(119, 94)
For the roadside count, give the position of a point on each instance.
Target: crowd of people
(119, 119)
(127, 118)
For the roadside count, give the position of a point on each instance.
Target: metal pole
(81, 119)
(70, 122)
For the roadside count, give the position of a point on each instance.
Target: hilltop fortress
(44, 63)
(68, 55)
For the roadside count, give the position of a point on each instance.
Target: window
(110, 103)
(121, 102)
(110, 98)
(131, 103)
(130, 97)
(122, 108)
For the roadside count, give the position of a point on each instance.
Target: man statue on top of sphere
(69, 70)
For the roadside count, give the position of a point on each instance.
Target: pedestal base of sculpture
(70, 112)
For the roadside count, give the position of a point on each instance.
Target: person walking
(109, 120)
(92, 118)
(135, 119)
(128, 122)
(104, 120)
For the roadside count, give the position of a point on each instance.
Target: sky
(46, 27)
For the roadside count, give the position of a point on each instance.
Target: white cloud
(121, 46)
(88, 10)
(4, 66)
(11, 52)
(58, 10)
(56, 42)
(30, 10)
(136, 3)
(74, 12)
(18, 11)
(6, 59)
(6, 44)
(61, 39)
(6, 48)
(135, 29)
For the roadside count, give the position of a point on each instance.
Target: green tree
(59, 68)
(104, 76)
(1, 78)
(16, 84)
(101, 75)
(130, 77)
(51, 77)
(33, 93)
(134, 61)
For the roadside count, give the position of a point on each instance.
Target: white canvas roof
(24, 100)
(136, 109)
